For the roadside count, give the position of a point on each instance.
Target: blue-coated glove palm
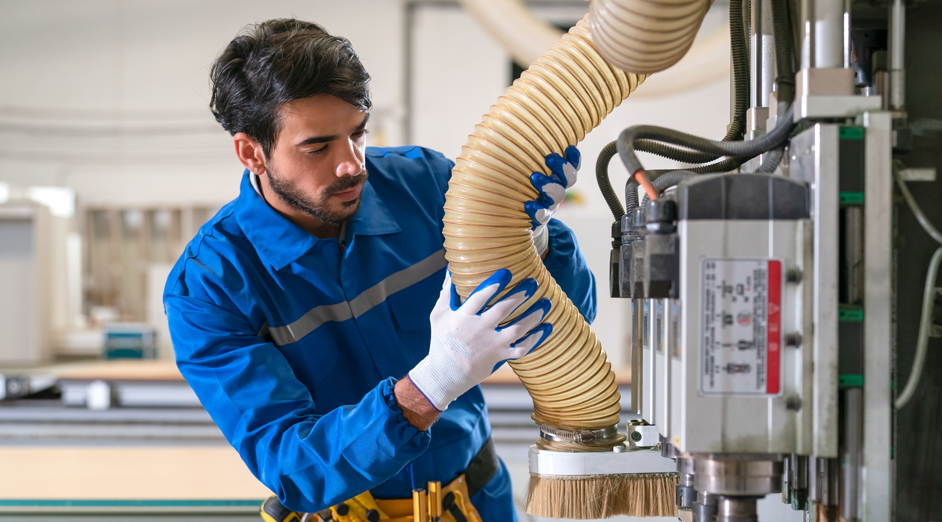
(468, 343)
(552, 191)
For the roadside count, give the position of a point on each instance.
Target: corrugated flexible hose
(562, 96)
(645, 36)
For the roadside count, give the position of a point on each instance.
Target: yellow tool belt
(450, 503)
(435, 504)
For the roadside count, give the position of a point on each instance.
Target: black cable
(667, 181)
(740, 56)
(631, 195)
(747, 21)
(740, 149)
(772, 160)
(631, 190)
(796, 29)
(725, 165)
(605, 185)
(674, 153)
(784, 52)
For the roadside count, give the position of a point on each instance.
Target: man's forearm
(415, 407)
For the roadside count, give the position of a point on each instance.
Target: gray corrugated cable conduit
(562, 96)
(605, 184)
(739, 149)
(666, 181)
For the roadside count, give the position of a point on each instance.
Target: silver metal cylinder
(786, 480)
(637, 330)
(824, 35)
(761, 52)
(829, 34)
(833, 496)
(846, 33)
(823, 477)
(817, 479)
(686, 495)
(800, 471)
(649, 371)
(805, 17)
(738, 474)
(706, 498)
(853, 458)
(896, 54)
(704, 509)
(736, 509)
(798, 474)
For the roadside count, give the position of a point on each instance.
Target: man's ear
(249, 152)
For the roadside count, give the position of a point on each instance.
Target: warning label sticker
(741, 333)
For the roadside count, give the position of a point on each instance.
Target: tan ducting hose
(561, 97)
(707, 62)
(645, 36)
(525, 37)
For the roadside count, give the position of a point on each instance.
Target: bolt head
(793, 403)
(793, 339)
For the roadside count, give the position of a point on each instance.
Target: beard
(319, 207)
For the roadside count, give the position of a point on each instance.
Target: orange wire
(646, 183)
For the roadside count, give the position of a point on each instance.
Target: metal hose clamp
(581, 436)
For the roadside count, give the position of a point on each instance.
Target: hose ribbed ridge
(645, 36)
(561, 97)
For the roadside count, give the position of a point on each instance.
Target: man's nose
(350, 162)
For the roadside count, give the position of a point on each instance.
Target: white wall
(75, 73)
(110, 98)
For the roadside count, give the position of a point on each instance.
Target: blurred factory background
(110, 161)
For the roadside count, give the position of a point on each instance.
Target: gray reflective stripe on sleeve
(361, 304)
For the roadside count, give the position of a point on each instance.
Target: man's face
(316, 163)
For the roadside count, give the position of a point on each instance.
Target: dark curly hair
(277, 61)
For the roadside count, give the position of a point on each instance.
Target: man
(304, 313)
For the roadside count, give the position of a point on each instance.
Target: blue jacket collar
(281, 242)
(373, 218)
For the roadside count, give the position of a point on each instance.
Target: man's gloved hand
(468, 343)
(552, 189)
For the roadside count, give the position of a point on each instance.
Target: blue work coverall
(293, 343)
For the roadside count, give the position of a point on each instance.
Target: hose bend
(645, 36)
(561, 97)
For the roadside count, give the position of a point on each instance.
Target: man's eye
(316, 152)
(361, 133)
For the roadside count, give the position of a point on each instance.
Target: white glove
(468, 343)
(552, 191)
